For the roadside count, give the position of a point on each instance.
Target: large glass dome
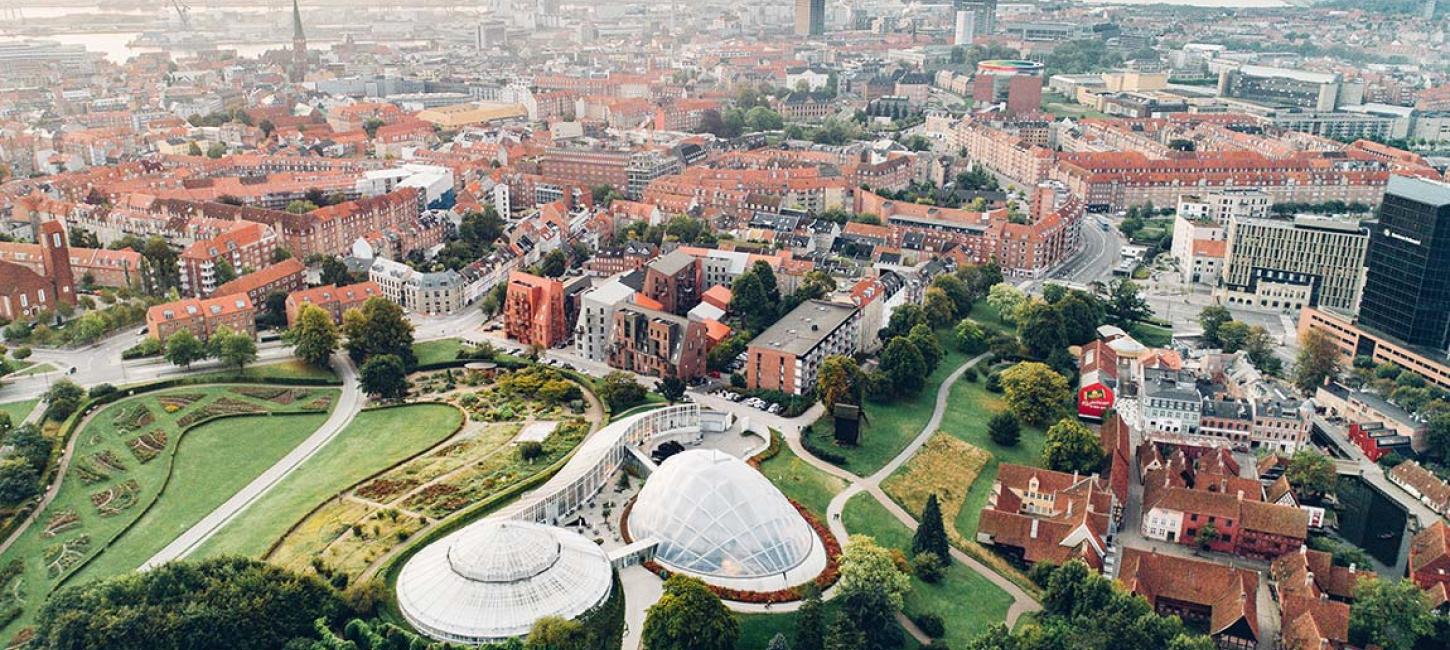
(715, 516)
(493, 579)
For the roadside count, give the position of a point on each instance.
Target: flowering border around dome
(822, 581)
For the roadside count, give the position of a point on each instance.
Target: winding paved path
(348, 406)
(1022, 603)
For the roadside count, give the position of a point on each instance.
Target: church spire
(299, 46)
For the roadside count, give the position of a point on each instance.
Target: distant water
(1196, 3)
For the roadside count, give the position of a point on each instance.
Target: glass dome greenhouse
(715, 516)
(493, 579)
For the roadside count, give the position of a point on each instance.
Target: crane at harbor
(184, 13)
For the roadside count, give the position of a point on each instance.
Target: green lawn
(437, 351)
(890, 427)
(965, 600)
(289, 369)
(28, 368)
(988, 316)
(1151, 335)
(807, 485)
(214, 461)
(971, 406)
(18, 410)
(120, 462)
(374, 441)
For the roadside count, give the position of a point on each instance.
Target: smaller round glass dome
(715, 516)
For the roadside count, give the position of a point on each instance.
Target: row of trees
(1222, 331)
(231, 347)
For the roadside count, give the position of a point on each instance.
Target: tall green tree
(184, 349)
(1006, 299)
(1125, 305)
(1004, 429)
(1318, 361)
(232, 348)
(18, 481)
(379, 327)
(555, 633)
(1072, 447)
(1311, 472)
(971, 338)
(1392, 614)
(672, 388)
(931, 533)
(688, 616)
(839, 381)
(903, 367)
(1034, 392)
(63, 398)
(620, 391)
(925, 341)
(903, 319)
(1041, 329)
(868, 567)
(810, 622)
(314, 338)
(384, 375)
(1210, 319)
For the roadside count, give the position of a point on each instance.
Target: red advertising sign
(1094, 400)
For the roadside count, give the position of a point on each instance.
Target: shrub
(994, 382)
(530, 451)
(1004, 429)
(101, 390)
(928, 566)
(21, 353)
(1041, 572)
(970, 374)
(930, 624)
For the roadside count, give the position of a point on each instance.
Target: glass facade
(715, 516)
(1407, 281)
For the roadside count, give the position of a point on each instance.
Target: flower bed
(383, 490)
(62, 556)
(176, 401)
(147, 447)
(771, 451)
(132, 418)
(60, 522)
(116, 499)
(223, 406)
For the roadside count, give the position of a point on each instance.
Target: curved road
(791, 430)
(348, 406)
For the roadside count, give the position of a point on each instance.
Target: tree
(267, 127)
(233, 348)
(63, 398)
(19, 481)
(228, 602)
(673, 389)
(1080, 313)
(903, 319)
(762, 118)
(688, 616)
(751, 300)
(1392, 614)
(931, 533)
(335, 272)
(1006, 299)
(1072, 447)
(30, 445)
(940, 310)
(225, 272)
(1034, 392)
(555, 263)
(379, 327)
(620, 391)
(1318, 361)
(868, 567)
(903, 367)
(193, 149)
(971, 338)
(1437, 436)
(1125, 306)
(314, 338)
(778, 642)
(1004, 430)
(555, 633)
(957, 290)
(810, 622)
(1206, 536)
(1312, 472)
(384, 375)
(1210, 319)
(838, 381)
(1232, 336)
(927, 344)
(1040, 328)
(844, 634)
(1259, 344)
(184, 349)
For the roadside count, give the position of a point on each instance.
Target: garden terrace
(142, 470)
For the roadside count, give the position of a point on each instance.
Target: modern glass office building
(1407, 278)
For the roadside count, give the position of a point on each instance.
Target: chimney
(1241, 495)
(1033, 533)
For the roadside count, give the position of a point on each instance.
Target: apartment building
(587, 167)
(1290, 264)
(1219, 206)
(331, 298)
(655, 343)
(788, 354)
(102, 267)
(202, 316)
(247, 246)
(595, 327)
(284, 277)
(534, 310)
(24, 292)
(424, 293)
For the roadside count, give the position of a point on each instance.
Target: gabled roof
(1230, 593)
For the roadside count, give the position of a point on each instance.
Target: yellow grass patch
(945, 466)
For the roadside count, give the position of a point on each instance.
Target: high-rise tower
(299, 47)
(810, 17)
(1407, 279)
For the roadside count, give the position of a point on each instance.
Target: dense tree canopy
(223, 603)
(379, 327)
(1035, 393)
(688, 616)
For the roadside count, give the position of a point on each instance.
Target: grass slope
(18, 410)
(807, 485)
(374, 441)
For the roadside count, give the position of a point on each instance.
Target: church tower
(299, 47)
(56, 254)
